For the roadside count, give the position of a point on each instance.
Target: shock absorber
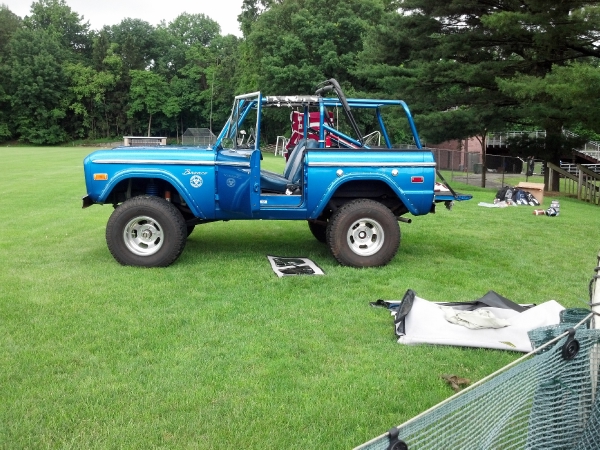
(151, 188)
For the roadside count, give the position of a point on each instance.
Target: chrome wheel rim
(365, 237)
(143, 236)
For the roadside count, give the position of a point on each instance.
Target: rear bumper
(445, 197)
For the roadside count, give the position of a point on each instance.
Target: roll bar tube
(330, 85)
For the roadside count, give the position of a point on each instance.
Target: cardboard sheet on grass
(287, 266)
(504, 324)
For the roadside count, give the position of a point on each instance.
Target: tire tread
(337, 229)
(174, 241)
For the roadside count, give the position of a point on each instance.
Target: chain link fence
(466, 167)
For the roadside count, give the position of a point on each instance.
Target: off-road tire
(146, 231)
(318, 230)
(363, 233)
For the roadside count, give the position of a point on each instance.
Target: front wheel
(146, 231)
(363, 233)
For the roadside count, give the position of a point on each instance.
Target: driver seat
(292, 174)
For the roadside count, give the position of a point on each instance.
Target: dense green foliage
(61, 81)
(464, 67)
(469, 67)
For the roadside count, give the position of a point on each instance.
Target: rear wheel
(363, 233)
(146, 231)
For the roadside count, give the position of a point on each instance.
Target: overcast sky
(111, 12)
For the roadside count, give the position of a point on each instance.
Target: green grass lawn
(216, 351)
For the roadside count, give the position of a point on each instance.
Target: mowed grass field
(216, 352)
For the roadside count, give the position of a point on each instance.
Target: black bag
(501, 194)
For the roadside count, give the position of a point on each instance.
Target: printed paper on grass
(286, 266)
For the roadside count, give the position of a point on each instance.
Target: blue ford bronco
(350, 188)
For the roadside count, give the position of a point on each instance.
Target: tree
(119, 50)
(38, 86)
(190, 51)
(89, 88)
(9, 24)
(204, 84)
(193, 29)
(223, 78)
(299, 43)
(529, 145)
(572, 90)
(147, 94)
(453, 57)
(571, 94)
(174, 40)
(295, 44)
(106, 57)
(51, 38)
(5, 132)
(101, 43)
(57, 18)
(251, 10)
(59, 80)
(560, 40)
(114, 98)
(136, 40)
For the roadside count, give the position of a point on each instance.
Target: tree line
(465, 68)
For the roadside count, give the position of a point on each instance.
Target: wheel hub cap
(143, 236)
(365, 237)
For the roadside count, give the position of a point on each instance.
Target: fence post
(483, 160)
(467, 161)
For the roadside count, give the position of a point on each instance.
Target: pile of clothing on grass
(515, 196)
(512, 196)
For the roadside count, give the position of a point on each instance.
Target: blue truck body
(161, 193)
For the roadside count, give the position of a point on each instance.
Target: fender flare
(152, 173)
(333, 187)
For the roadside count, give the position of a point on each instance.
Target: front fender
(126, 174)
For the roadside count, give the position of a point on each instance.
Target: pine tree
(472, 66)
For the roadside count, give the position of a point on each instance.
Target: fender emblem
(196, 181)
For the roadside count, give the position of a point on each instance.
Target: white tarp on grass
(419, 321)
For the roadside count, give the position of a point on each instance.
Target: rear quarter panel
(325, 165)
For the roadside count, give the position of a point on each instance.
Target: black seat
(292, 174)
